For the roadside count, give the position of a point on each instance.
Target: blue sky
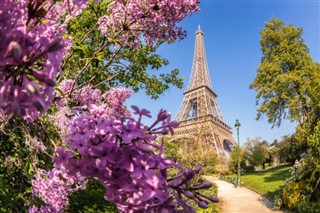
(231, 35)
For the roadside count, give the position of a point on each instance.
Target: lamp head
(237, 124)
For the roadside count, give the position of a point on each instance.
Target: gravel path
(240, 200)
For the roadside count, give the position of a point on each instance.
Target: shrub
(310, 207)
(227, 172)
(277, 201)
(90, 200)
(249, 169)
(292, 194)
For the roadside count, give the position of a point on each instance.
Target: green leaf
(28, 168)
(100, 56)
(86, 50)
(44, 21)
(60, 91)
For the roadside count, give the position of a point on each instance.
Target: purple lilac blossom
(151, 20)
(53, 188)
(42, 209)
(125, 158)
(31, 53)
(106, 143)
(36, 144)
(88, 99)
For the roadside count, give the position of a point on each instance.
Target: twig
(108, 79)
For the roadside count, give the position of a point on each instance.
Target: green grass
(266, 182)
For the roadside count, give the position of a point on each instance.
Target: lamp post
(237, 126)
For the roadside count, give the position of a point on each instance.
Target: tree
(233, 162)
(286, 80)
(256, 152)
(290, 149)
(259, 156)
(110, 67)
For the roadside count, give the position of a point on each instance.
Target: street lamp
(237, 126)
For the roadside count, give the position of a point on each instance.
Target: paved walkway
(240, 200)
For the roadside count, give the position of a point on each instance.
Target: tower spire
(200, 71)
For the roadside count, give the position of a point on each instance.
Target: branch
(83, 38)
(95, 54)
(88, 62)
(108, 79)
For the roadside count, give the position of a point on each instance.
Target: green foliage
(288, 87)
(286, 75)
(256, 152)
(259, 155)
(314, 142)
(191, 153)
(12, 196)
(277, 201)
(289, 149)
(233, 162)
(90, 200)
(226, 172)
(310, 207)
(108, 66)
(304, 184)
(20, 161)
(213, 207)
(292, 194)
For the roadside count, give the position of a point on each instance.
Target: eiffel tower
(199, 114)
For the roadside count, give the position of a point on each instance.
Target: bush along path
(240, 200)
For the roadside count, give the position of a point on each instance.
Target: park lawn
(268, 182)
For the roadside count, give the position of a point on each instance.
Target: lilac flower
(99, 104)
(36, 144)
(32, 52)
(53, 189)
(152, 21)
(42, 209)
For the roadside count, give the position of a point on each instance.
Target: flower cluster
(62, 119)
(35, 144)
(53, 187)
(87, 99)
(125, 157)
(111, 104)
(31, 53)
(184, 179)
(151, 19)
(42, 209)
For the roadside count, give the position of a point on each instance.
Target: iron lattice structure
(199, 114)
